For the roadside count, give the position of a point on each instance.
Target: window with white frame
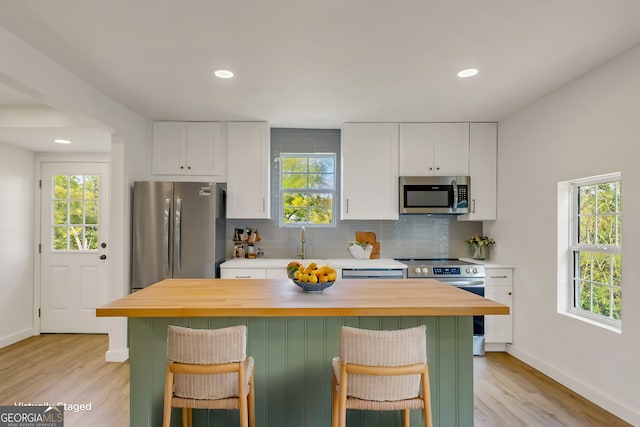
(596, 236)
(307, 188)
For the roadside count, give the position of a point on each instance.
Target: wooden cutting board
(369, 237)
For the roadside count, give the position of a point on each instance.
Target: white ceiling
(302, 63)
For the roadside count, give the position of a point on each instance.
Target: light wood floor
(71, 369)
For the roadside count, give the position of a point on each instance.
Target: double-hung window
(596, 235)
(307, 188)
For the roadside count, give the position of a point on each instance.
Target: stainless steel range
(464, 275)
(451, 271)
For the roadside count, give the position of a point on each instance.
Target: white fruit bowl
(359, 252)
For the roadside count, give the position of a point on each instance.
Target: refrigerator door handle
(165, 239)
(177, 250)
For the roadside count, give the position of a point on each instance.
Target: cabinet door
(483, 167)
(499, 288)
(416, 149)
(169, 148)
(206, 151)
(248, 170)
(369, 165)
(451, 150)
(277, 273)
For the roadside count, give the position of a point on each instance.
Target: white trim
(593, 320)
(119, 355)
(18, 336)
(567, 245)
(603, 400)
(39, 159)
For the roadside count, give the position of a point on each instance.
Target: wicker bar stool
(208, 369)
(381, 371)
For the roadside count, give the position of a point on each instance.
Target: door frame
(37, 226)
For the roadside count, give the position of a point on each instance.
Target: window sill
(593, 322)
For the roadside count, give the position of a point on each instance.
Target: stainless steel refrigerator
(179, 230)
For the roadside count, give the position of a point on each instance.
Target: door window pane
(75, 214)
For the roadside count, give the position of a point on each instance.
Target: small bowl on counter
(359, 250)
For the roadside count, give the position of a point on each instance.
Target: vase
(479, 252)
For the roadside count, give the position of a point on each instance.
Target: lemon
(313, 278)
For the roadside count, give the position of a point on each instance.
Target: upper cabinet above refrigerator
(189, 148)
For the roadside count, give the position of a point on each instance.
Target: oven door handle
(462, 282)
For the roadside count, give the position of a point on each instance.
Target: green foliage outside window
(597, 259)
(75, 212)
(307, 188)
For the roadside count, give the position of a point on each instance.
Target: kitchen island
(293, 335)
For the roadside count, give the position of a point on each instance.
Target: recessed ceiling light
(62, 141)
(469, 72)
(223, 74)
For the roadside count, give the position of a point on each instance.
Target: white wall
(16, 244)
(589, 127)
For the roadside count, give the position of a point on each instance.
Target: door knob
(103, 257)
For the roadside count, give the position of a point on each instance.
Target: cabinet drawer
(243, 273)
(499, 276)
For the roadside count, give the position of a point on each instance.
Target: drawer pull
(499, 277)
(243, 277)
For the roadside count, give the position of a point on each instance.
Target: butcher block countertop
(281, 297)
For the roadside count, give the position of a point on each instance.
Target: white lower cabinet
(498, 329)
(276, 273)
(253, 273)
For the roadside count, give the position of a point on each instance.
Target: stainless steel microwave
(434, 194)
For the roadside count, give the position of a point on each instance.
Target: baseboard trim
(16, 337)
(117, 355)
(495, 347)
(604, 401)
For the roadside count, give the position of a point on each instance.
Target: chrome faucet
(302, 253)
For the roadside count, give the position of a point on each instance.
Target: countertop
(281, 297)
(383, 263)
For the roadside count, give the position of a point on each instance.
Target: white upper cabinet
(483, 166)
(248, 174)
(438, 149)
(188, 148)
(369, 171)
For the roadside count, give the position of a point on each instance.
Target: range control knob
(417, 270)
(425, 270)
(475, 270)
(468, 270)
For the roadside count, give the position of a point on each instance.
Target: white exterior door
(74, 246)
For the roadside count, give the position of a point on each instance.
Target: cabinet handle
(438, 168)
(189, 167)
(510, 293)
(243, 277)
(474, 205)
(430, 169)
(181, 167)
(263, 204)
(499, 277)
(347, 206)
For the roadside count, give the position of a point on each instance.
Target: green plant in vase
(480, 245)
